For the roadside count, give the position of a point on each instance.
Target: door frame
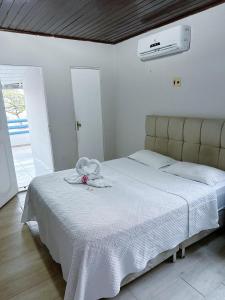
(75, 117)
(46, 106)
(9, 160)
(47, 115)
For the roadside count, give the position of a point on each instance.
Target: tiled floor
(27, 271)
(24, 165)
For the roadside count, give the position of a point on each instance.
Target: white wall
(146, 87)
(37, 117)
(56, 56)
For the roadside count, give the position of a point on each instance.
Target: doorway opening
(25, 108)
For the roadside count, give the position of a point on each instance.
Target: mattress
(220, 192)
(99, 236)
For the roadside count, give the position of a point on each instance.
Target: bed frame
(195, 140)
(172, 254)
(197, 237)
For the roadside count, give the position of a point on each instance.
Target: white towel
(88, 167)
(88, 172)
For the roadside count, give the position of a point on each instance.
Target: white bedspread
(101, 235)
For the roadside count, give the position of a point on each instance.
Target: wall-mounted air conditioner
(166, 42)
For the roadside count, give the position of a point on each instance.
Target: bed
(104, 238)
(195, 140)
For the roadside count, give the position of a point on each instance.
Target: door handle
(78, 125)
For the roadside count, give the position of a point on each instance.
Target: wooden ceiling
(107, 21)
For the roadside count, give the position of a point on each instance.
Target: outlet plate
(177, 82)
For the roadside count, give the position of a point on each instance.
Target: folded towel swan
(88, 167)
(88, 171)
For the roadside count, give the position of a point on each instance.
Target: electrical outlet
(177, 82)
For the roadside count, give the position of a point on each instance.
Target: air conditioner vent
(167, 42)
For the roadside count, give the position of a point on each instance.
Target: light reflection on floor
(24, 165)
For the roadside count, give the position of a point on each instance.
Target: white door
(8, 183)
(88, 111)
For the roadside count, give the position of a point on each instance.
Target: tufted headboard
(188, 139)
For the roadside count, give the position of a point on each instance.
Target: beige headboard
(188, 139)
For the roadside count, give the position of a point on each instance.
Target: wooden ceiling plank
(15, 9)
(114, 39)
(108, 18)
(92, 14)
(65, 20)
(68, 9)
(55, 9)
(35, 12)
(154, 24)
(93, 11)
(165, 9)
(4, 10)
(124, 24)
(37, 19)
(48, 12)
(23, 13)
(73, 19)
(163, 23)
(139, 21)
(99, 20)
(126, 20)
(160, 22)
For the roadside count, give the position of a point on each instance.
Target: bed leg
(174, 258)
(182, 253)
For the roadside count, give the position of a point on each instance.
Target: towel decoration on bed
(88, 171)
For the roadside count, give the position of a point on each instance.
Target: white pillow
(196, 172)
(152, 159)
